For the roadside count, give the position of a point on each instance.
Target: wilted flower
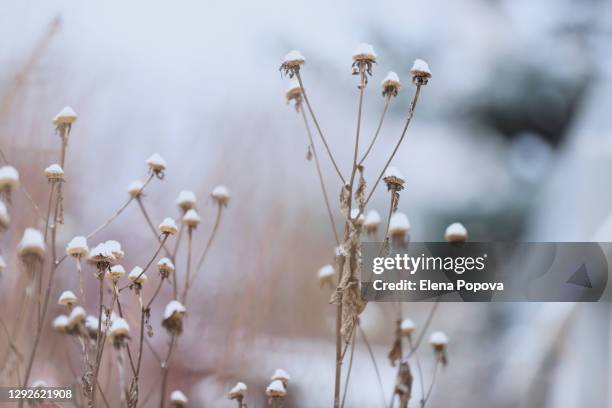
(32, 246)
(67, 116)
(276, 389)
(407, 326)
(115, 273)
(292, 62)
(77, 247)
(135, 188)
(391, 84)
(102, 254)
(456, 232)
(221, 195)
(439, 341)
(420, 72)
(115, 248)
(394, 179)
(67, 298)
(178, 399)
(119, 331)
(294, 93)
(156, 164)
(9, 180)
(238, 392)
(60, 323)
(77, 316)
(136, 276)
(326, 275)
(166, 267)
(191, 218)
(168, 226)
(281, 375)
(54, 173)
(372, 222)
(186, 200)
(173, 317)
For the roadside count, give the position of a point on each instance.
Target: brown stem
(187, 276)
(380, 123)
(433, 381)
(165, 367)
(376, 370)
(151, 226)
(348, 371)
(208, 245)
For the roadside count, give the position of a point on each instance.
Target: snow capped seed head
(115, 248)
(326, 275)
(32, 244)
(77, 247)
(354, 213)
(2, 264)
(186, 200)
(135, 188)
(54, 173)
(5, 218)
(137, 276)
(276, 389)
(438, 340)
(391, 84)
(39, 384)
(420, 72)
(238, 392)
(168, 226)
(372, 222)
(394, 179)
(67, 298)
(156, 163)
(76, 316)
(407, 326)
(399, 224)
(221, 195)
(456, 232)
(281, 375)
(66, 116)
(91, 324)
(191, 218)
(292, 62)
(165, 266)
(9, 177)
(102, 253)
(173, 317)
(115, 273)
(119, 331)
(178, 399)
(294, 92)
(364, 52)
(60, 323)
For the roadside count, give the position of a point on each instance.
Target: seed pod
(156, 163)
(115, 273)
(135, 188)
(77, 247)
(407, 327)
(276, 389)
(178, 399)
(136, 276)
(221, 195)
(168, 226)
(54, 173)
(420, 72)
(173, 317)
(391, 84)
(364, 53)
(186, 200)
(115, 248)
(166, 267)
(32, 245)
(191, 218)
(394, 179)
(67, 298)
(66, 116)
(238, 392)
(456, 232)
(326, 275)
(292, 62)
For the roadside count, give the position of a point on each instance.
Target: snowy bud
(391, 84)
(66, 116)
(238, 392)
(137, 276)
(276, 389)
(67, 298)
(168, 226)
(156, 163)
(135, 188)
(115, 273)
(439, 341)
(119, 331)
(91, 325)
(407, 326)
(173, 317)
(191, 218)
(77, 316)
(115, 248)
(364, 52)
(326, 275)
(372, 222)
(77, 247)
(456, 232)
(293, 60)
(32, 245)
(399, 225)
(178, 399)
(281, 375)
(186, 200)
(420, 72)
(60, 323)
(54, 173)
(357, 220)
(102, 253)
(221, 195)
(165, 266)
(394, 179)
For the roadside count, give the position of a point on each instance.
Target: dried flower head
(66, 116)
(394, 179)
(399, 227)
(326, 275)
(54, 173)
(178, 399)
(102, 254)
(119, 331)
(156, 164)
(391, 84)
(115, 248)
(77, 316)
(276, 389)
(115, 273)
(60, 323)
(220, 195)
(166, 267)
(67, 298)
(407, 327)
(294, 93)
(5, 218)
(364, 53)
(9, 180)
(32, 246)
(439, 342)
(135, 188)
(136, 276)
(191, 218)
(186, 200)
(420, 72)
(456, 232)
(281, 375)
(238, 392)
(173, 317)
(77, 247)
(292, 62)
(168, 226)
(354, 216)
(372, 222)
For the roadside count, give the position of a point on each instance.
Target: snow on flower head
(191, 218)
(77, 316)
(364, 52)
(238, 391)
(119, 328)
(178, 398)
(115, 248)
(77, 247)
(407, 326)
(438, 339)
(66, 116)
(456, 232)
(420, 72)
(9, 177)
(115, 273)
(221, 195)
(102, 253)
(32, 244)
(135, 188)
(326, 274)
(292, 62)
(391, 84)
(280, 374)
(168, 226)
(137, 276)
(54, 173)
(166, 267)
(372, 219)
(394, 179)
(399, 224)
(276, 389)
(60, 323)
(186, 200)
(67, 298)
(156, 163)
(5, 218)
(173, 317)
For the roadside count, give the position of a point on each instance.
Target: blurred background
(511, 137)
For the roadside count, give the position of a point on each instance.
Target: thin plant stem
(348, 371)
(80, 273)
(165, 367)
(419, 368)
(100, 338)
(49, 208)
(151, 226)
(189, 251)
(146, 268)
(376, 370)
(399, 142)
(208, 245)
(380, 123)
(320, 174)
(425, 327)
(314, 119)
(25, 192)
(433, 381)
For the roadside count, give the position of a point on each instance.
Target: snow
(9, 177)
(191, 218)
(294, 57)
(326, 271)
(186, 199)
(91, 323)
(354, 213)
(67, 297)
(156, 162)
(54, 170)
(135, 188)
(438, 338)
(32, 241)
(391, 79)
(399, 223)
(60, 322)
(364, 51)
(240, 389)
(136, 274)
(168, 226)
(116, 272)
(115, 248)
(102, 252)
(77, 315)
(372, 218)
(393, 172)
(166, 263)
(276, 389)
(174, 306)
(420, 68)
(77, 246)
(119, 327)
(456, 232)
(220, 191)
(65, 116)
(280, 374)
(407, 326)
(177, 396)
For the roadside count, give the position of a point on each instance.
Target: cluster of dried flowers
(39, 255)
(344, 277)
